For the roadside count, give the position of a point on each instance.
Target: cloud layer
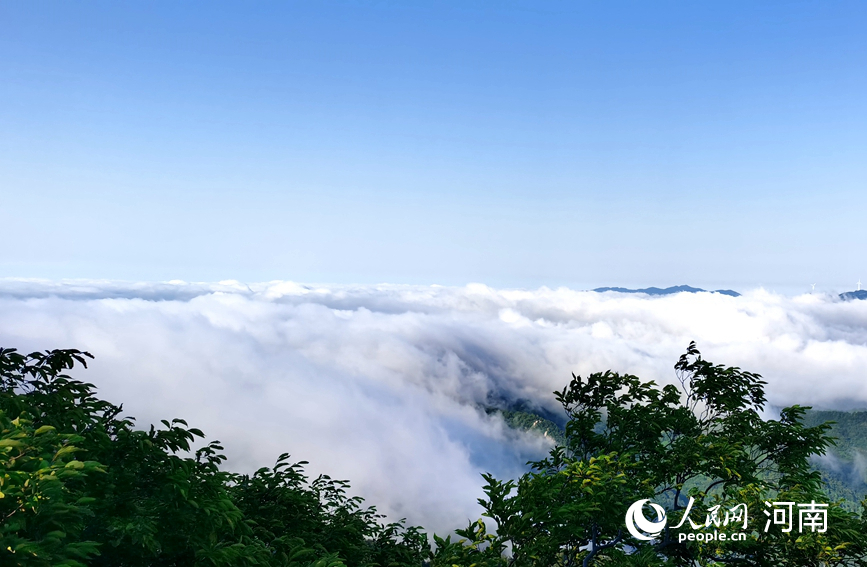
(382, 384)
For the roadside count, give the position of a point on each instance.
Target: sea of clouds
(384, 384)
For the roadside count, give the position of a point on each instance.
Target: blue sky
(517, 144)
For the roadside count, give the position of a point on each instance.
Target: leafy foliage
(327, 522)
(148, 497)
(41, 516)
(627, 440)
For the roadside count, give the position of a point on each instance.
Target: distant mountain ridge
(668, 290)
(850, 295)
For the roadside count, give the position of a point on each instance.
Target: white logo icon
(636, 521)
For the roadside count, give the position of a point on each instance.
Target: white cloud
(380, 384)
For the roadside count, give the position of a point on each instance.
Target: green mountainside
(849, 429)
(527, 421)
(844, 469)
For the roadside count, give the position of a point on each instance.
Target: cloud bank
(383, 384)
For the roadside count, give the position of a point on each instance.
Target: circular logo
(639, 526)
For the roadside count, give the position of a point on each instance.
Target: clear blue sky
(510, 143)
